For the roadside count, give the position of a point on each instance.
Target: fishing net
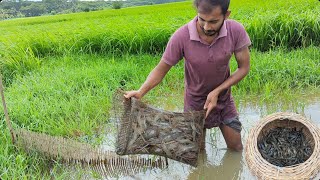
(72, 152)
(283, 146)
(143, 129)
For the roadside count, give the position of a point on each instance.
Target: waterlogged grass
(71, 96)
(71, 92)
(15, 163)
(67, 96)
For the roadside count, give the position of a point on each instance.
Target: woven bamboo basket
(262, 169)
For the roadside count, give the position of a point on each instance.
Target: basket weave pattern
(265, 170)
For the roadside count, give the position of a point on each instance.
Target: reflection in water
(229, 167)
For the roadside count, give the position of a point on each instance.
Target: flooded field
(217, 162)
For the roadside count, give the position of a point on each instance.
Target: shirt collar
(192, 26)
(194, 35)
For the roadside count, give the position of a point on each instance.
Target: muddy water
(217, 162)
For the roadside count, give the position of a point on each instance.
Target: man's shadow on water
(229, 168)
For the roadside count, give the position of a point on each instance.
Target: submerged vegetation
(60, 71)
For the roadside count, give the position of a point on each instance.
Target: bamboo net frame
(143, 129)
(69, 151)
(262, 169)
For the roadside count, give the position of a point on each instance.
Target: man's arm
(243, 60)
(153, 79)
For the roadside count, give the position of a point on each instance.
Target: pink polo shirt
(207, 66)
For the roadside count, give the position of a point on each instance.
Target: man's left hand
(211, 102)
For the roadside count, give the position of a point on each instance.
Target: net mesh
(71, 152)
(142, 129)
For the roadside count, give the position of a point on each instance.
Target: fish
(285, 146)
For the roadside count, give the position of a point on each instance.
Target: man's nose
(206, 27)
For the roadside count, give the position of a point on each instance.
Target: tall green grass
(284, 29)
(277, 74)
(147, 29)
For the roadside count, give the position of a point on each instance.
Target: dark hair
(209, 4)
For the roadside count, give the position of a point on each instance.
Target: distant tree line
(20, 8)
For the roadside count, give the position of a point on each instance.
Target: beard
(211, 32)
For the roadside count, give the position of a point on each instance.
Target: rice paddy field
(60, 71)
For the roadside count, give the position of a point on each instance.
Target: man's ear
(227, 14)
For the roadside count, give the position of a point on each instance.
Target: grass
(71, 96)
(147, 29)
(279, 72)
(61, 71)
(75, 92)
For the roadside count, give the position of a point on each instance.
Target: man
(207, 43)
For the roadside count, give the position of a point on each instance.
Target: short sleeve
(242, 40)
(174, 50)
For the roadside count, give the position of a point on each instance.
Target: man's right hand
(136, 94)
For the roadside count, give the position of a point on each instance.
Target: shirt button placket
(209, 53)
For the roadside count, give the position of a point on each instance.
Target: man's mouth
(209, 33)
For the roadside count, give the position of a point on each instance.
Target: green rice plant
(285, 30)
(147, 29)
(17, 60)
(279, 73)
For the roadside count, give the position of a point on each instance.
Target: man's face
(211, 23)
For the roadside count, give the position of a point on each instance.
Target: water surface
(217, 162)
